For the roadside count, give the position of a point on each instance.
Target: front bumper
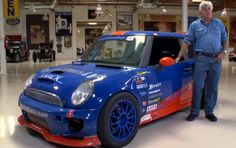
(60, 125)
(85, 142)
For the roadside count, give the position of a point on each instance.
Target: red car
(232, 55)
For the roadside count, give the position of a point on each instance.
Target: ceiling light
(92, 23)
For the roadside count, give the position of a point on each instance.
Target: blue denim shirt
(207, 38)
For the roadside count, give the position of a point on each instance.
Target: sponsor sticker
(153, 101)
(145, 118)
(151, 107)
(152, 86)
(140, 86)
(130, 38)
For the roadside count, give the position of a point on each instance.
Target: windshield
(119, 50)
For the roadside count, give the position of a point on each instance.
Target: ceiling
(218, 4)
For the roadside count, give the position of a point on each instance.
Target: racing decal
(142, 72)
(145, 118)
(151, 107)
(141, 86)
(112, 38)
(153, 101)
(154, 86)
(180, 93)
(170, 104)
(52, 77)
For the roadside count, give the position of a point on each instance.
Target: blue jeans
(206, 71)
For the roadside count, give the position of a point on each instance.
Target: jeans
(206, 72)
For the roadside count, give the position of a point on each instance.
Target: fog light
(75, 125)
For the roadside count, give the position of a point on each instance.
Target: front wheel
(119, 120)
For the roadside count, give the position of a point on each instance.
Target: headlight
(11, 50)
(29, 80)
(82, 93)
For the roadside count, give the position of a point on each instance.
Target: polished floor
(170, 132)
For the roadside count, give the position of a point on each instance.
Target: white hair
(205, 4)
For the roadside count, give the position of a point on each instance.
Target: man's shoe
(191, 117)
(211, 117)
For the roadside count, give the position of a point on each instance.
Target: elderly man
(209, 39)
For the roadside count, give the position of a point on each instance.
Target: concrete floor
(170, 132)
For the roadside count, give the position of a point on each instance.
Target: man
(209, 40)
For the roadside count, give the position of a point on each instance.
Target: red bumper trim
(86, 142)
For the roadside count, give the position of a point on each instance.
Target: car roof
(147, 33)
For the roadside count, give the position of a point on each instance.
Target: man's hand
(220, 57)
(177, 60)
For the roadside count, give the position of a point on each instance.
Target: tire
(118, 121)
(17, 58)
(34, 57)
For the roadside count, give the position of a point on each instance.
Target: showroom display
(45, 52)
(116, 86)
(16, 51)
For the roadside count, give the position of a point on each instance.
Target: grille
(43, 96)
(38, 120)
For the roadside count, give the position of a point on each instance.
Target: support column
(184, 15)
(2, 35)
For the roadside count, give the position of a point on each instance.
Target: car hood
(63, 80)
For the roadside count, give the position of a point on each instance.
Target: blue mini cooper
(125, 80)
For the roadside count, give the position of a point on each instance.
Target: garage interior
(170, 131)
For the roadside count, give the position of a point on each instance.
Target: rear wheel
(119, 120)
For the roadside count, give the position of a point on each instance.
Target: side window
(164, 47)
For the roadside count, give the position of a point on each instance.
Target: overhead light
(224, 13)
(45, 17)
(92, 23)
(163, 9)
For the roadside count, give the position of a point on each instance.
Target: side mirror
(166, 61)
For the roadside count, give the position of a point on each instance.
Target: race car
(126, 79)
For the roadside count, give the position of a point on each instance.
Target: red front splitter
(92, 141)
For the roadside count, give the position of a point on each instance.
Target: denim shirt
(207, 38)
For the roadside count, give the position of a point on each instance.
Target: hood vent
(57, 72)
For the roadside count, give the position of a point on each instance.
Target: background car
(16, 51)
(232, 55)
(45, 52)
(125, 80)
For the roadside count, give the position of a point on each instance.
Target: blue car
(126, 79)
